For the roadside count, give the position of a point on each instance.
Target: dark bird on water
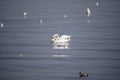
(83, 74)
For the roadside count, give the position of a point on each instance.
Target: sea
(27, 27)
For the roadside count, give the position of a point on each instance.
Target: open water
(26, 52)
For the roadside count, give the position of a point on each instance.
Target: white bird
(25, 14)
(41, 22)
(61, 39)
(65, 16)
(97, 4)
(60, 42)
(1, 24)
(88, 12)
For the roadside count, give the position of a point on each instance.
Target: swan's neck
(56, 36)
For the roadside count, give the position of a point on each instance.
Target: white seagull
(88, 12)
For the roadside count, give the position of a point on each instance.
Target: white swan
(61, 39)
(60, 42)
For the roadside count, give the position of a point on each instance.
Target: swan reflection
(60, 56)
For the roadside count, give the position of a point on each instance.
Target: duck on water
(83, 74)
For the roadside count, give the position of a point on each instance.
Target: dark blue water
(26, 52)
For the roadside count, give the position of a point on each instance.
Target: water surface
(26, 52)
